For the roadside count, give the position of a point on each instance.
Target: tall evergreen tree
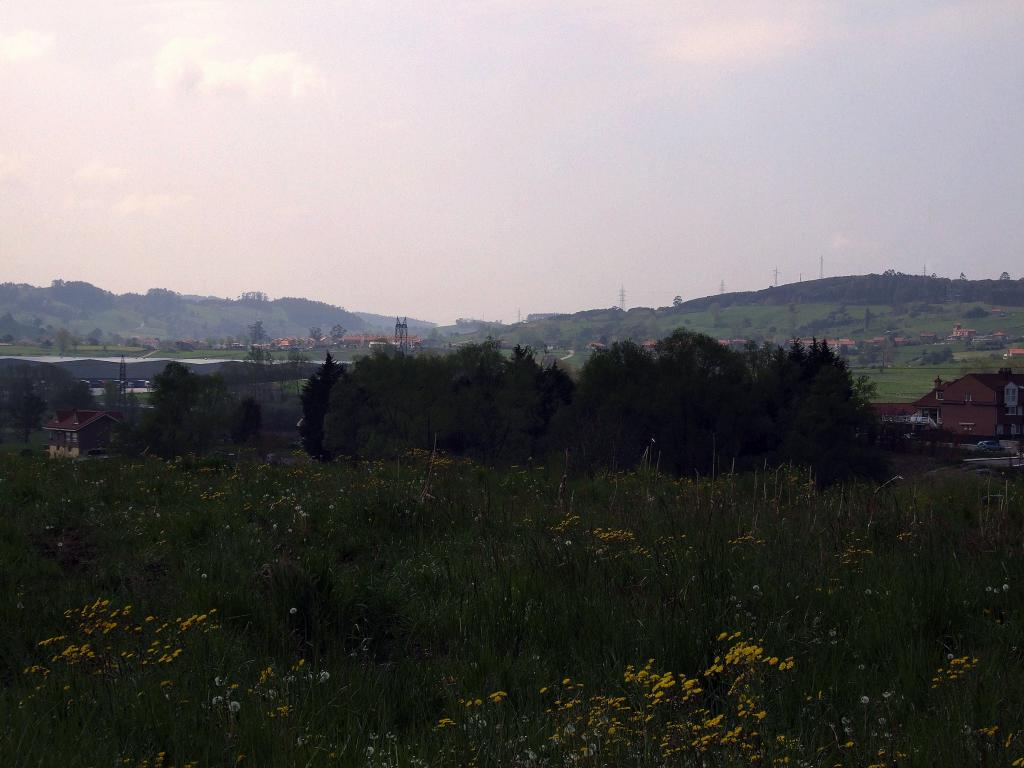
(316, 396)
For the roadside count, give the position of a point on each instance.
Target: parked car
(989, 445)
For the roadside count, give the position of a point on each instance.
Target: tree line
(689, 405)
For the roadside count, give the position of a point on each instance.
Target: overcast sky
(481, 158)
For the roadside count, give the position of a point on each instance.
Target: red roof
(991, 381)
(74, 420)
(894, 409)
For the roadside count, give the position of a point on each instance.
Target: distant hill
(387, 323)
(888, 288)
(856, 306)
(31, 312)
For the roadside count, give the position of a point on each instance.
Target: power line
(402, 334)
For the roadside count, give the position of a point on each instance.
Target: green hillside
(894, 308)
(856, 307)
(31, 313)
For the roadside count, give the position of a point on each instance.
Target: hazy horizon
(481, 159)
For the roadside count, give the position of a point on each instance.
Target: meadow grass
(439, 613)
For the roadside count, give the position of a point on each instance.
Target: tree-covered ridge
(32, 312)
(890, 287)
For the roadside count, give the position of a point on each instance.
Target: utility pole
(821, 267)
(402, 335)
(122, 384)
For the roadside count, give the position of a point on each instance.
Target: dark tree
(256, 332)
(27, 409)
(248, 420)
(475, 402)
(316, 397)
(189, 414)
(71, 393)
(64, 340)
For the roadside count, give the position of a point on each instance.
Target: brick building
(76, 433)
(979, 404)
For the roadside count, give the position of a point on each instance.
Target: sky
(490, 158)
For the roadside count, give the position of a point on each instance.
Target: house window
(938, 395)
(999, 429)
(968, 397)
(1013, 429)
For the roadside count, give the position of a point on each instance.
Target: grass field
(418, 613)
(82, 350)
(908, 383)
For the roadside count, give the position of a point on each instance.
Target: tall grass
(384, 614)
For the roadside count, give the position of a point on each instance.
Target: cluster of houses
(348, 341)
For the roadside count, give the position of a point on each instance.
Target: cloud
(13, 167)
(101, 174)
(24, 45)
(841, 242)
(189, 64)
(150, 204)
(10, 166)
(737, 42)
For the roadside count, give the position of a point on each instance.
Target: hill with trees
(34, 313)
(855, 306)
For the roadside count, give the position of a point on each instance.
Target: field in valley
(439, 613)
